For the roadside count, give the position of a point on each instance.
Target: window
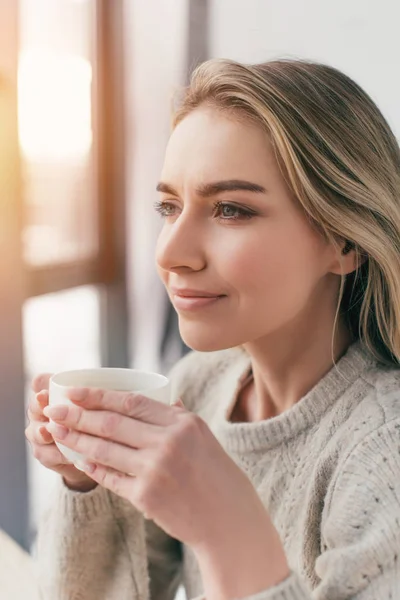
(62, 213)
(60, 331)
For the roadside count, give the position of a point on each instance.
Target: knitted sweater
(327, 471)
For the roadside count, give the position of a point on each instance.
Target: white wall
(360, 37)
(155, 67)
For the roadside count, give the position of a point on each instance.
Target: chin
(203, 342)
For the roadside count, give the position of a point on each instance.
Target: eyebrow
(212, 189)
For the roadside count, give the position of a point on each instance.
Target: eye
(232, 212)
(165, 209)
(224, 211)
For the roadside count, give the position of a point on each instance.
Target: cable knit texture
(327, 471)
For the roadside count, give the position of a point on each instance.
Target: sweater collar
(262, 435)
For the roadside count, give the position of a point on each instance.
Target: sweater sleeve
(95, 545)
(360, 534)
(92, 546)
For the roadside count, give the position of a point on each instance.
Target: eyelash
(245, 214)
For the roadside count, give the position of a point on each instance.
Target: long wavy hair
(342, 162)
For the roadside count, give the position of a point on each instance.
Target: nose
(181, 245)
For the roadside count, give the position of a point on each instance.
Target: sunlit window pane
(60, 332)
(54, 106)
(55, 109)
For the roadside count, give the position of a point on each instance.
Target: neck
(285, 369)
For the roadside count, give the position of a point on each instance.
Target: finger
(41, 382)
(106, 424)
(179, 403)
(50, 457)
(98, 450)
(115, 481)
(130, 404)
(38, 435)
(35, 410)
(45, 435)
(43, 398)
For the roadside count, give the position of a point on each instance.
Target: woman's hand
(168, 464)
(42, 442)
(163, 459)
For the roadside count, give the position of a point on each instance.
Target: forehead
(208, 145)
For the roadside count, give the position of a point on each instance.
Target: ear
(347, 258)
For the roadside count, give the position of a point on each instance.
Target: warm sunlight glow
(54, 106)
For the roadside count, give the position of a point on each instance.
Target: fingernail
(58, 413)
(43, 431)
(42, 395)
(77, 394)
(179, 403)
(84, 466)
(57, 431)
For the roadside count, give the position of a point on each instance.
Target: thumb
(178, 403)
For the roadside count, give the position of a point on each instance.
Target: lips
(190, 303)
(192, 293)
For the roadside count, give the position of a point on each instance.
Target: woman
(278, 476)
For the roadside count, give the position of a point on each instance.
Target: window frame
(20, 281)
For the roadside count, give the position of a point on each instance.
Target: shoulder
(379, 406)
(365, 491)
(196, 372)
(369, 444)
(385, 388)
(367, 407)
(366, 479)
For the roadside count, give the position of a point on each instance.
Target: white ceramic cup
(152, 385)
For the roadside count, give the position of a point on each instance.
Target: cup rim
(161, 380)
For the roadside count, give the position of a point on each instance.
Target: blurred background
(86, 89)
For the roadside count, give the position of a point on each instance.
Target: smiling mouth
(194, 302)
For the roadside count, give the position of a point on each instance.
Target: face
(232, 229)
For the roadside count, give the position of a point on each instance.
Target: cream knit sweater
(327, 470)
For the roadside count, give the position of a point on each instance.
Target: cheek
(264, 270)
(251, 262)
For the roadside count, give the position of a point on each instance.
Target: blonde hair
(342, 162)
